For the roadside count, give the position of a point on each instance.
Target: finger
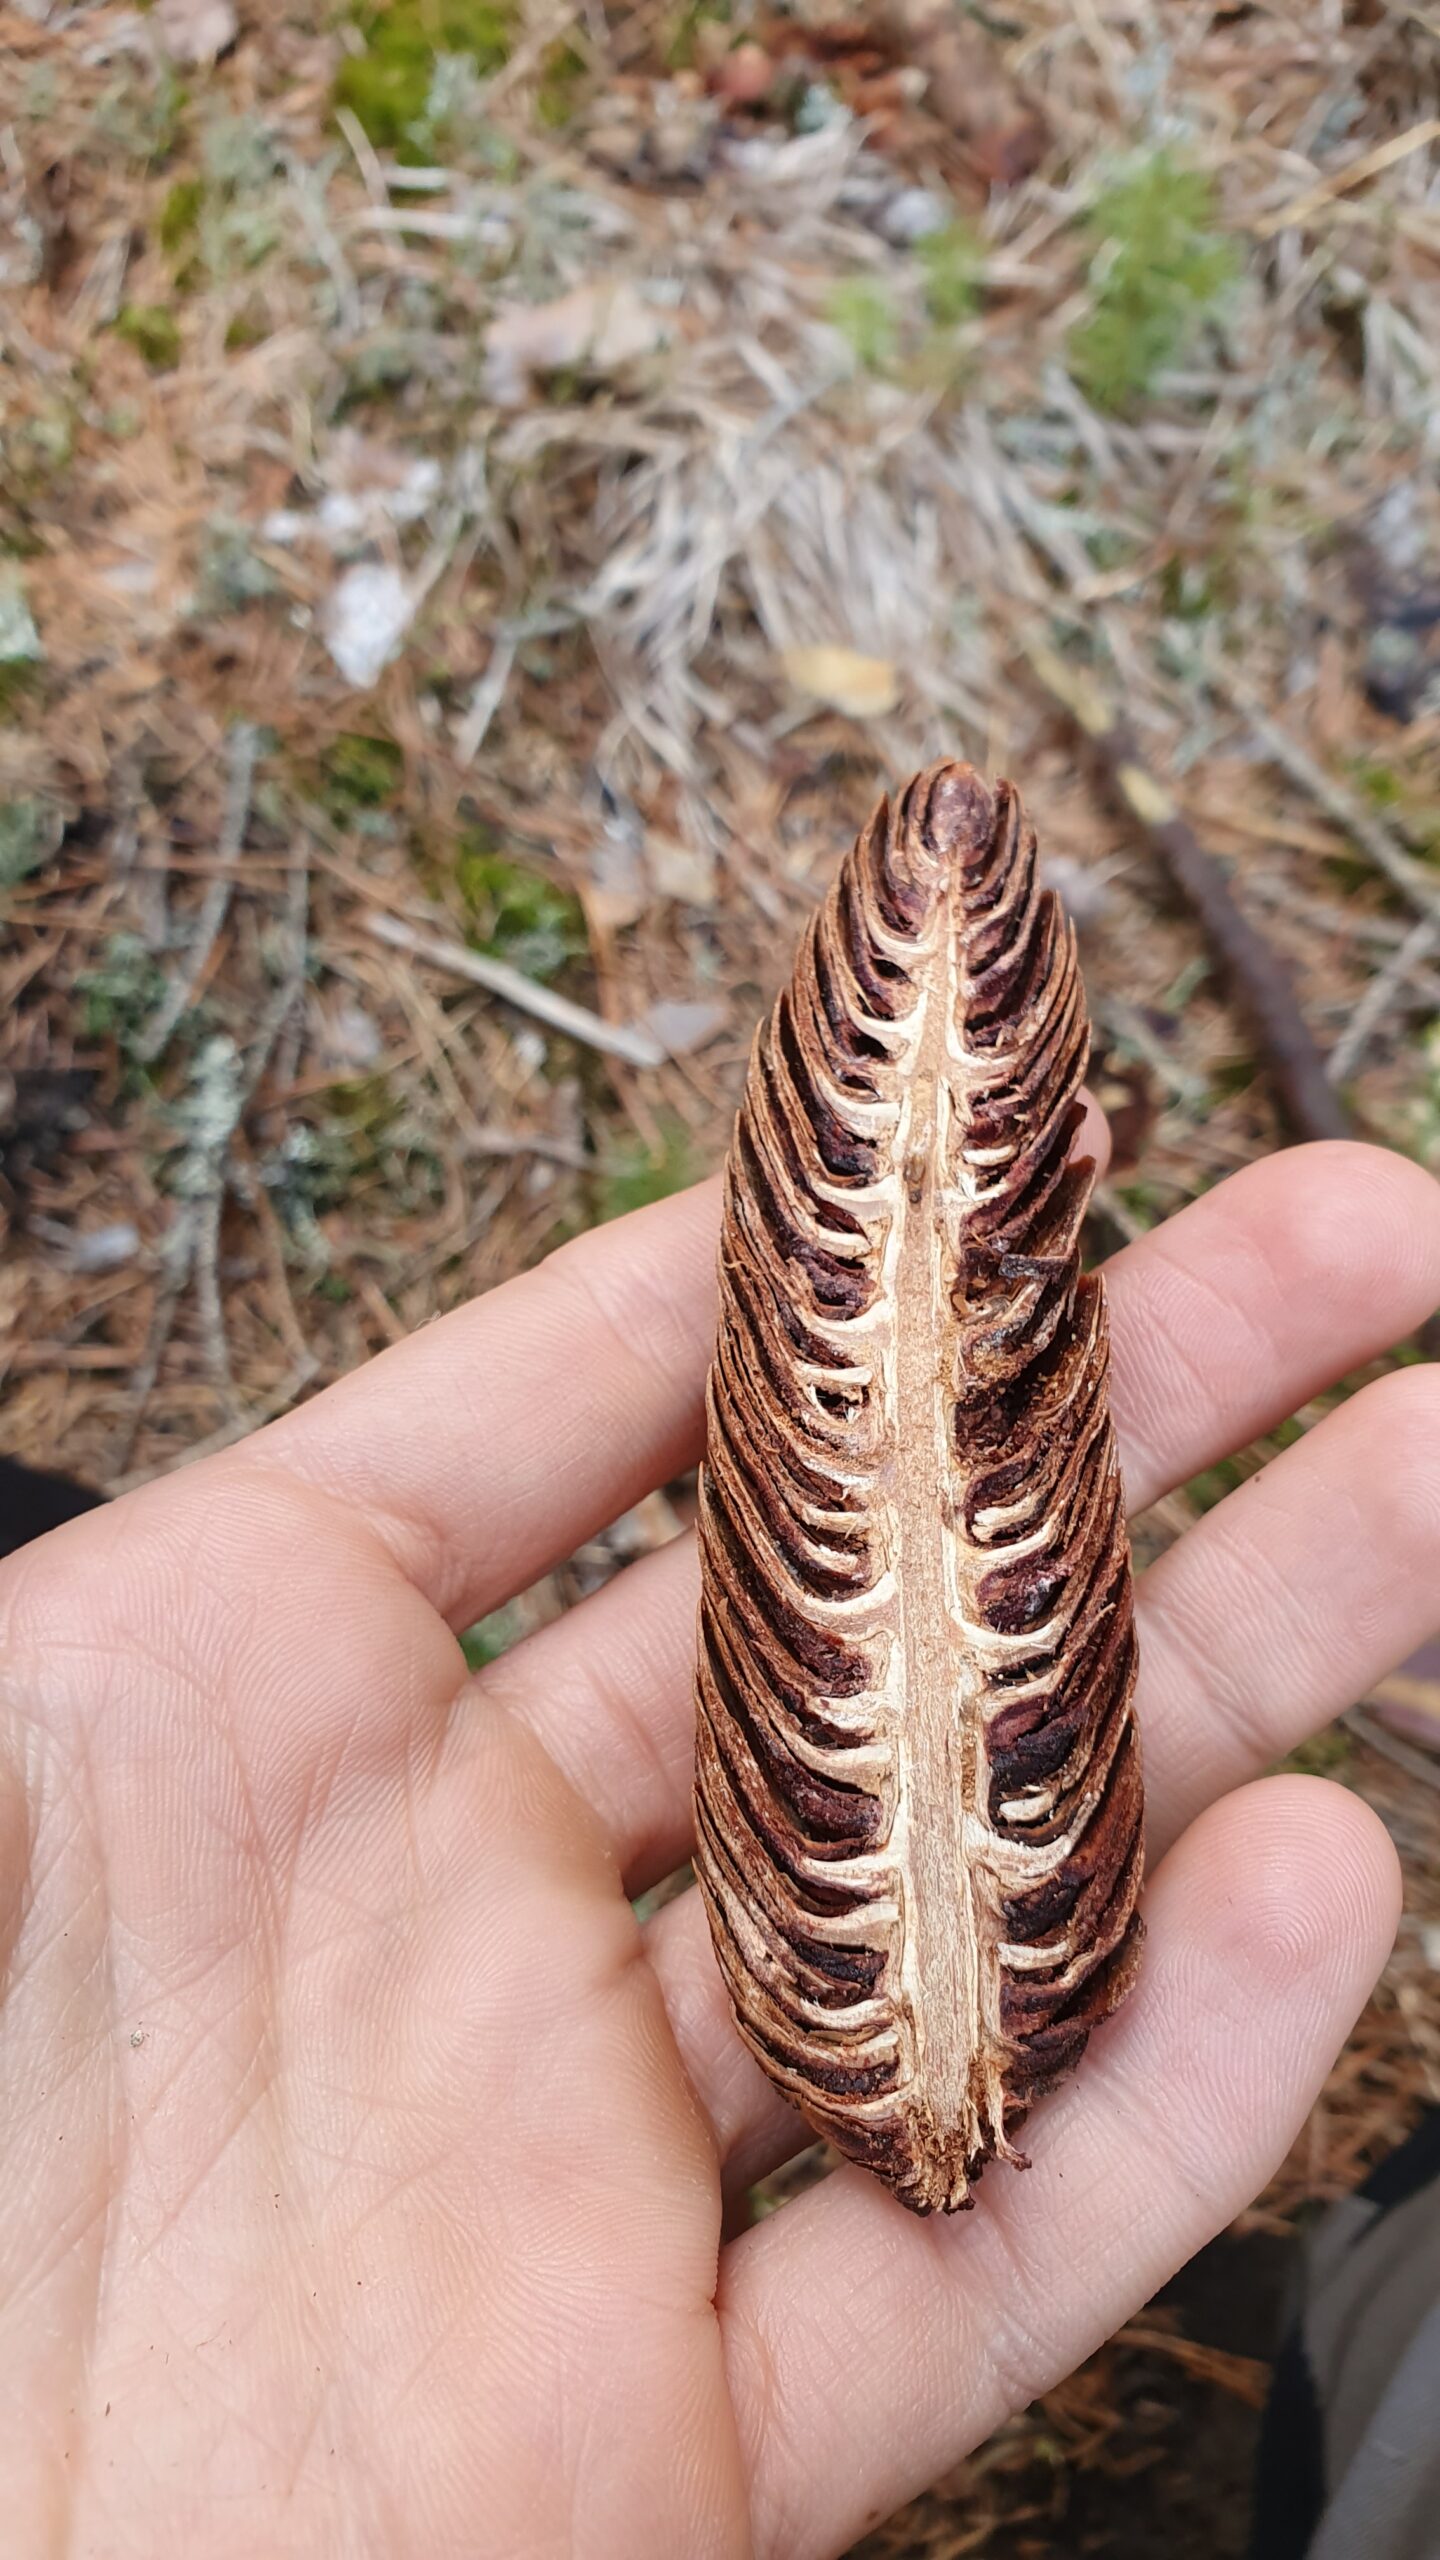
(1284, 1604)
(608, 1690)
(1222, 1322)
(867, 2351)
(491, 1444)
(1234, 1312)
(1290, 1599)
(755, 2128)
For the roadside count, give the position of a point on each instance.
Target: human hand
(363, 2156)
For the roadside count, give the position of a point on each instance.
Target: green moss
(180, 214)
(359, 773)
(1189, 593)
(1228, 1474)
(1380, 783)
(153, 332)
(490, 1637)
(861, 309)
(562, 76)
(515, 914)
(1325, 1754)
(1159, 267)
(247, 329)
(1146, 1202)
(387, 87)
(951, 261)
(681, 33)
(1233, 1075)
(20, 680)
(639, 1175)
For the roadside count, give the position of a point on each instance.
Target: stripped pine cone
(918, 1785)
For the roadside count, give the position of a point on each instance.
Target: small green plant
(951, 262)
(1160, 265)
(153, 332)
(861, 309)
(387, 87)
(514, 913)
(638, 1175)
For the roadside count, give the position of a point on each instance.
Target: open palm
(363, 2157)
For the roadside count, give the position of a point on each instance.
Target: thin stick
(1369, 165)
(1381, 993)
(1419, 1764)
(1359, 823)
(1258, 975)
(619, 1040)
(215, 905)
(277, 1399)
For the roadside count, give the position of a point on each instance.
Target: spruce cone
(918, 1785)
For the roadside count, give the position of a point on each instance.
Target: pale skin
(363, 2157)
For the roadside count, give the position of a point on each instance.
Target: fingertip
(1350, 1220)
(1092, 1137)
(1293, 1886)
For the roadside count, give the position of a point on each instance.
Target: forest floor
(524, 477)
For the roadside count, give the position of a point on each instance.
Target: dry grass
(254, 379)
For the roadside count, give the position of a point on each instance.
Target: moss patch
(387, 87)
(359, 773)
(180, 214)
(514, 913)
(153, 332)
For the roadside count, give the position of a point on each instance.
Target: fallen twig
(1246, 2378)
(1368, 1728)
(1369, 165)
(215, 905)
(1380, 994)
(211, 1111)
(1363, 826)
(277, 1399)
(619, 1040)
(1258, 975)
